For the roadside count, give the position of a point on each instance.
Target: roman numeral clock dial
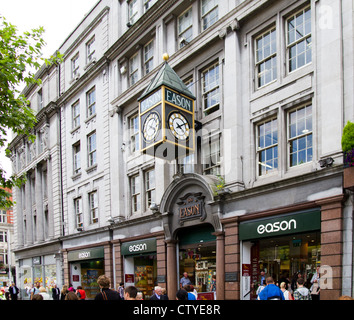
(179, 126)
(151, 127)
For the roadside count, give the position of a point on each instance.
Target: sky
(58, 18)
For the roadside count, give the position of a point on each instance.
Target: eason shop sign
(138, 247)
(86, 254)
(281, 225)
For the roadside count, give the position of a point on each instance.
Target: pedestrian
(43, 292)
(188, 288)
(37, 296)
(71, 296)
(64, 292)
(13, 290)
(121, 290)
(182, 294)
(261, 287)
(301, 293)
(55, 292)
(296, 276)
(213, 283)
(139, 296)
(315, 285)
(71, 288)
(130, 293)
(184, 280)
(286, 293)
(271, 291)
(157, 294)
(106, 293)
(164, 295)
(35, 289)
(81, 293)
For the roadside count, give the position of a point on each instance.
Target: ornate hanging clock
(166, 111)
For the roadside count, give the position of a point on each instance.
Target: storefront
(197, 256)
(85, 266)
(140, 265)
(42, 269)
(280, 247)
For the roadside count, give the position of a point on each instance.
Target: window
(93, 205)
(148, 4)
(91, 143)
(267, 143)
(186, 164)
(150, 187)
(40, 99)
(78, 213)
(3, 216)
(134, 133)
(135, 193)
(300, 135)
(266, 57)
(133, 69)
(210, 83)
(149, 57)
(133, 11)
(3, 236)
(299, 40)
(185, 27)
(77, 158)
(76, 114)
(75, 66)
(210, 13)
(90, 50)
(211, 154)
(91, 102)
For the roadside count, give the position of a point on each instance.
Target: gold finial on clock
(165, 56)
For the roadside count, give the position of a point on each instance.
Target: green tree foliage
(20, 58)
(348, 137)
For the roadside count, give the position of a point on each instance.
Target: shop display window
(199, 261)
(284, 257)
(145, 274)
(90, 271)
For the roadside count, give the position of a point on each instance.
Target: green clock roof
(168, 77)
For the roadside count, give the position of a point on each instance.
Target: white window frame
(91, 105)
(264, 58)
(306, 133)
(135, 194)
(211, 89)
(133, 11)
(134, 69)
(134, 133)
(211, 148)
(77, 158)
(264, 168)
(297, 42)
(185, 27)
(92, 149)
(93, 205)
(75, 65)
(150, 187)
(208, 8)
(90, 50)
(148, 51)
(75, 109)
(78, 212)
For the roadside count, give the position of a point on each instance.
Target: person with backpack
(302, 293)
(81, 293)
(271, 291)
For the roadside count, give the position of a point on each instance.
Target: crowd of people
(38, 292)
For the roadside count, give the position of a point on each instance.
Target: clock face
(151, 127)
(179, 126)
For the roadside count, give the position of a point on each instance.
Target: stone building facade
(272, 81)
